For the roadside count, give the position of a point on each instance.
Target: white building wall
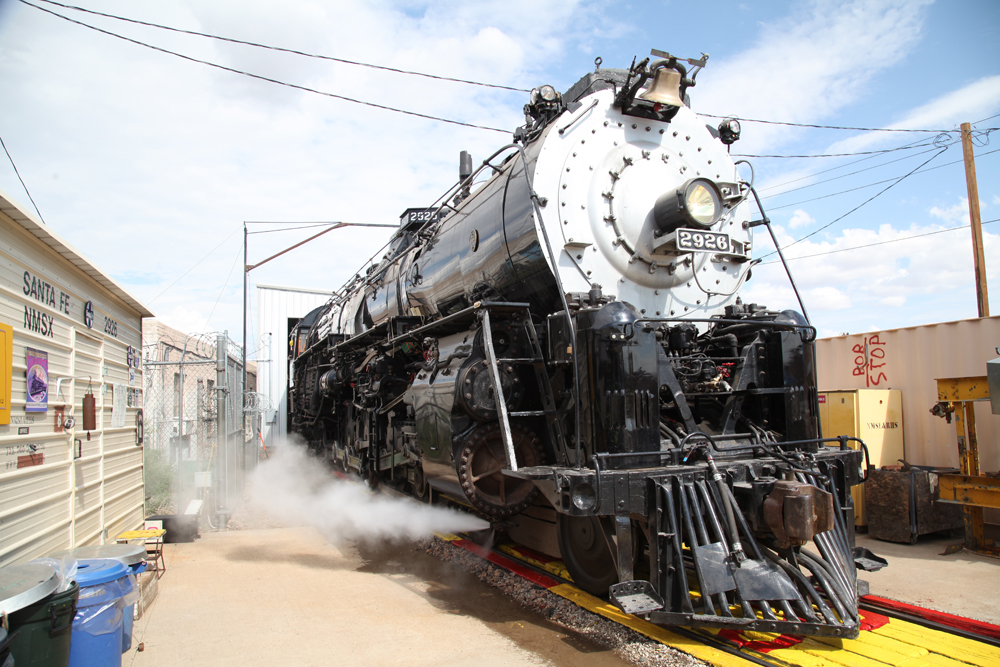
(275, 305)
(60, 486)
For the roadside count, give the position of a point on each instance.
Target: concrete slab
(285, 597)
(963, 583)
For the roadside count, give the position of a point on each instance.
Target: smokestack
(464, 172)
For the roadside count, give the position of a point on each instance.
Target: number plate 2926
(696, 240)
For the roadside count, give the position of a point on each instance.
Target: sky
(150, 163)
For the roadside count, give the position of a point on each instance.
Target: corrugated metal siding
(73, 497)
(275, 305)
(914, 359)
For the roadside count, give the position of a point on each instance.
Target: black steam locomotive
(560, 344)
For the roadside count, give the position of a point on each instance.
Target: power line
(290, 229)
(823, 127)
(284, 50)
(877, 243)
(222, 291)
(836, 178)
(192, 268)
(317, 222)
(873, 197)
(875, 152)
(844, 166)
(439, 77)
(22, 180)
(862, 187)
(264, 78)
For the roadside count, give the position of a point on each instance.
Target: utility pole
(975, 220)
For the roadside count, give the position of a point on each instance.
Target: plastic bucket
(97, 626)
(40, 633)
(129, 618)
(132, 556)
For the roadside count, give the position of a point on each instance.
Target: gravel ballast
(625, 642)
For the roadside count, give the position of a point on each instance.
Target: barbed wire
(256, 403)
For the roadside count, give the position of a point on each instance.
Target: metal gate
(196, 436)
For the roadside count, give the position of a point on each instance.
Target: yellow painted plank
(887, 649)
(555, 567)
(793, 656)
(447, 537)
(654, 632)
(942, 643)
(840, 656)
(933, 660)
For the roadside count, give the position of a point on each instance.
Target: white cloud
(946, 112)
(807, 67)
(955, 214)
(899, 275)
(800, 219)
(148, 162)
(893, 301)
(185, 320)
(828, 298)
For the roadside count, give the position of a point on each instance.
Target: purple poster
(38, 381)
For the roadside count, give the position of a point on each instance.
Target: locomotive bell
(666, 88)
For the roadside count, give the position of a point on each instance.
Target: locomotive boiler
(561, 334)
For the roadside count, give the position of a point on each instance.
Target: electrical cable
(873, 197)
(876, 152)
(445, 78)
(265, 78)
(284, 50)
(820, 127)
(877, 243)
(221, 292)
(852, 173)
(862, 187)
(22, 181)
(845, 165)
(192, 268)
(290, 229)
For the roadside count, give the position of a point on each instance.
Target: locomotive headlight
(729, 131)
(696, 204)
(548, 93)
(544, 94)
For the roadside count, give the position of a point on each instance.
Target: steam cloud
(297, 489)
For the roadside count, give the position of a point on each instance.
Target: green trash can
(40, 620)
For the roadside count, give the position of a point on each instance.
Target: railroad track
(889, 637)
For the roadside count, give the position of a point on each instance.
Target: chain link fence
(199, 444)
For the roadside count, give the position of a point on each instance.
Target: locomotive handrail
(455, 317)
(562, 297)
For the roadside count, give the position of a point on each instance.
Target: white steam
(298, 489)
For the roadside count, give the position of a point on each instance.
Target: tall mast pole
(975, 221)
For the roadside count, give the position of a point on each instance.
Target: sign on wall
(38, 380)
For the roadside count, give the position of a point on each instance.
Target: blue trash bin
(97, 626)
(133, 556)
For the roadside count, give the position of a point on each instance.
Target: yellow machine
(971, 489)
(873, 415)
